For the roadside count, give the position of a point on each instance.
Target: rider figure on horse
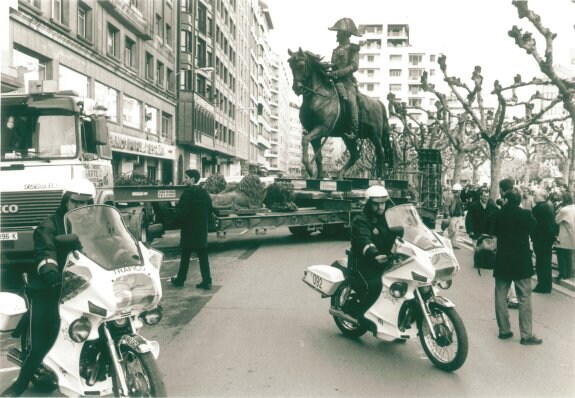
(344, 62)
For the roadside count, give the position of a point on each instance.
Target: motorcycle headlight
(79, 330)
(154, 316)
(398, 289)
(445, 284)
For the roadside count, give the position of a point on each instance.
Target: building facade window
(416, 102)
(69, 79)
(108, 97)
(170, 80)
(151, 119)
(160, 74)
(166, 124)
(130, 54)
(132, 112)
(31, 67)
(169, 40)
(159, 26)
(415, 59)
(395, 57)
(85, 24)
(395, 72)
(149, 66)
(395, 87)
(60, 9)
(415, 74)
(113, 41)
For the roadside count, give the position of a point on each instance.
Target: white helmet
(80, 189)
(456, 187)
(376, 193)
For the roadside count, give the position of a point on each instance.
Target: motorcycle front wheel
(143, 377)
(340, 297)
(448, 351)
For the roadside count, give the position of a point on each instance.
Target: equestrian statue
(332, 106)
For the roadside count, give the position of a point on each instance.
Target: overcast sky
(468, 32)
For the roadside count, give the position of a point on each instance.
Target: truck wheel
(300, 232)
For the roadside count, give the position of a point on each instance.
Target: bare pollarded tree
(566, 87)
(492, 125)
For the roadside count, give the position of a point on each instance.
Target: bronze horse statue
(322, 116)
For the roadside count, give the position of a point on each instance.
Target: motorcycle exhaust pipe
(342, 315)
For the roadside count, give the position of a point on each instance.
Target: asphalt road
(262, 332)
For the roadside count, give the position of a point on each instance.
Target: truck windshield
(38, 135)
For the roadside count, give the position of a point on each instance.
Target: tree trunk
(495, 169)
(527, 177)
(570, 172)
(458, 166)
(475, 175)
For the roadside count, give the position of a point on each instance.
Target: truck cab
(47, 138)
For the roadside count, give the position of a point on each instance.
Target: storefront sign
(138, 146)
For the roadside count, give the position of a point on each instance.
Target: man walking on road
(543, 238)
(453, 209)
(193, 211)
(512, 226)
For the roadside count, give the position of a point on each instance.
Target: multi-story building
(225, 92)
(295, 167)
(278, 154)
(390, 64)
(122, 53)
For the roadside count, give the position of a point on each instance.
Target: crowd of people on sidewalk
(524, 221)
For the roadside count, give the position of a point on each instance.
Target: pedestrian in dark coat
(193, 211)
(478, 214)
(543, 238)
(512, 226)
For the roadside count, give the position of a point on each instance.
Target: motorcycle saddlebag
(323, 278)
(12, 307)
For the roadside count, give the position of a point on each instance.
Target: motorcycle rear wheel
(339, 298)
(143, 377)
(449, 350)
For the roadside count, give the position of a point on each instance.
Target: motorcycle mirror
(397, 231)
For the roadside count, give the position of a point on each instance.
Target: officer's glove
(381, 258)
(332, 74)
(50, 275)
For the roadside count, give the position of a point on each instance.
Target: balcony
(130, 16)
(264, 142)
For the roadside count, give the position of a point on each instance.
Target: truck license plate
(8, 235)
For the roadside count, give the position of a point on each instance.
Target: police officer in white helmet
(371, 242)
(45, 282)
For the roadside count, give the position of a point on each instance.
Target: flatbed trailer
(327, 206)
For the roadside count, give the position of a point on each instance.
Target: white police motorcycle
(110, 288)
(409, 304)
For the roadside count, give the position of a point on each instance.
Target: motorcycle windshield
(415, 231)
(103, 236)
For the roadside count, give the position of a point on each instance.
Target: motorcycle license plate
(8, 236)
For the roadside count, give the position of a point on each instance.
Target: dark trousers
(565, 262)
(204, 264)
(543, 252)
(44, 326)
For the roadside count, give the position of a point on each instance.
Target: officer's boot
(354, 119)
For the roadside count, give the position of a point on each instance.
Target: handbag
(484, 256)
